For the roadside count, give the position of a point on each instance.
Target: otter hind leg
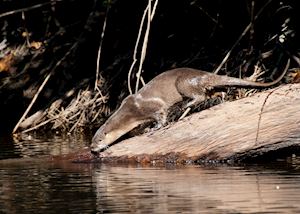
(193, 87)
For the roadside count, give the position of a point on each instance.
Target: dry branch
(150, 11)
(81, 111)
(32, 102)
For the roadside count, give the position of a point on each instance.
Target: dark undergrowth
(50, 80)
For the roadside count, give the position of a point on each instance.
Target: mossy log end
(267, 121)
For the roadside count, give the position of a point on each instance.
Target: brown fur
(151, 103)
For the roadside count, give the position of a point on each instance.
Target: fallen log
(253, 126)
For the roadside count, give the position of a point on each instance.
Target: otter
(151, 102)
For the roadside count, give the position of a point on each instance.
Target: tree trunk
(252, 126)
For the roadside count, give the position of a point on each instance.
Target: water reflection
(38, 187)
(33, 185)
(197, 189)
(39, 145)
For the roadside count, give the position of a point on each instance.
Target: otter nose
(94, 147)
(98, 147)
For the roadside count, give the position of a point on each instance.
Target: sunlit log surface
(227, 131)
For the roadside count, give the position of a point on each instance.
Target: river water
(30, 185)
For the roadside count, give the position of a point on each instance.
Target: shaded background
(63, 37)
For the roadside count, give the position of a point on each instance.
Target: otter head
(126, 118)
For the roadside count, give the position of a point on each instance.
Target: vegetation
(65, 65)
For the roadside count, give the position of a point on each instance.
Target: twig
(150, 14)
(143, 81)
(252, 21)
(260, 114)
(41, 88)
(214, 20)
(297, 60)
(40, 124)
(185, 113)
(263, 105)
(97, 114)
(145, 42)
(248, 27)
(154, 9)
(135, 50)
(144, 48)
(100, 49)
(32, 101)
(231, 49)
(77, 122)
(25, 9)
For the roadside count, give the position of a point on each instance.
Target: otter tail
(229, 81)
